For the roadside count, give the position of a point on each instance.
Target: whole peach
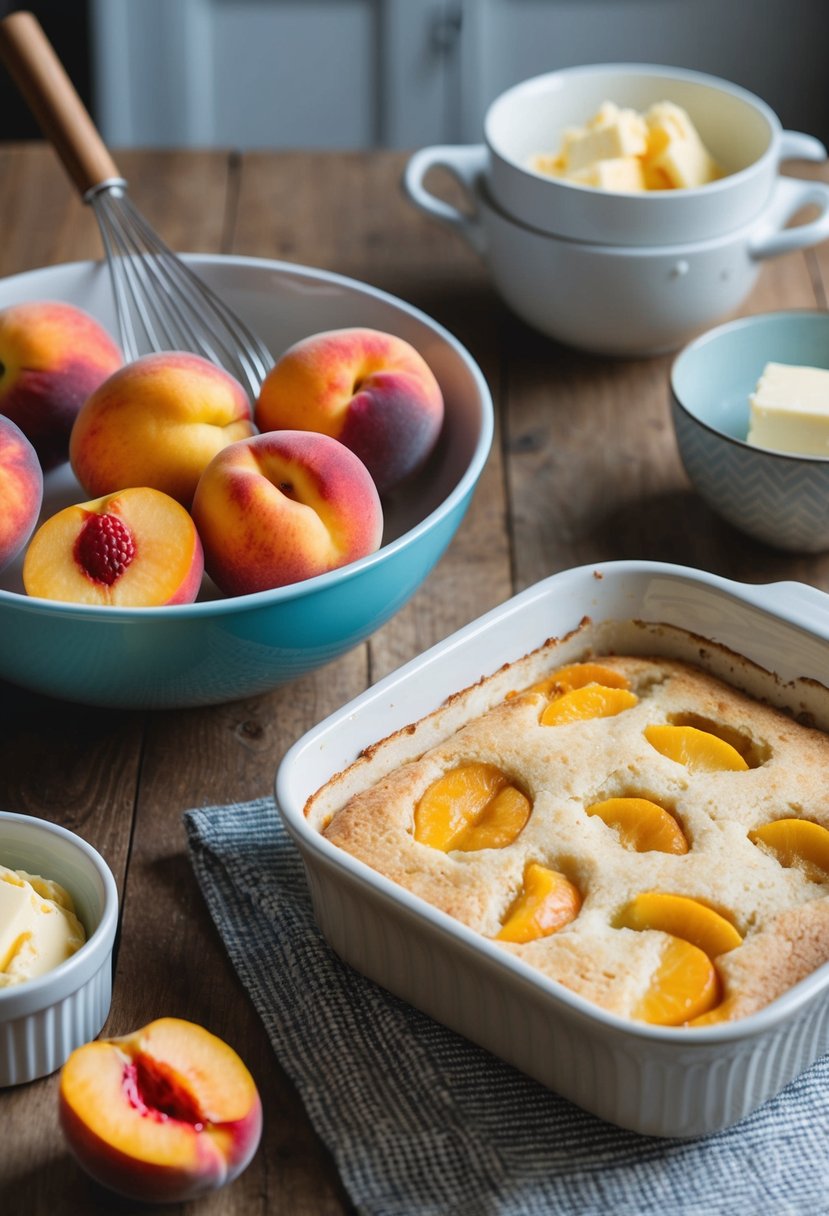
(282, 507)
(158, 422)
(52, 356)
(21, 490)
(138, 548)
(371, 390)
(162, 1115)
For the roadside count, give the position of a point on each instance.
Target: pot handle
(771, 237)
(794, 145)
(466, 163)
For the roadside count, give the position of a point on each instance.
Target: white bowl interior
(532, 117)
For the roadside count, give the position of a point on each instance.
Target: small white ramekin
(43, 1020)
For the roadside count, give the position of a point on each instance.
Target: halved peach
(682, 917)
(589, 701)
(161, 1115)
(472, 806)
(642, 825)
(546, 903)
(137, 548)
(698, 750)
(795, 842)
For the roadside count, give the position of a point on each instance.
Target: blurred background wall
(396, 73)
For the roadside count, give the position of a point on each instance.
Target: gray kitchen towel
(421, 1122)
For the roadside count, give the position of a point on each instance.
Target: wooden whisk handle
(54, 102)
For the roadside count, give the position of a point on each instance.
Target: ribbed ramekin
(43, 1020)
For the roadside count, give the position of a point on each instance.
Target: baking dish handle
(799, 602)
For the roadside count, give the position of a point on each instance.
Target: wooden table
(584, 468)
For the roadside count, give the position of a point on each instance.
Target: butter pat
(675, 148)
(611, 134)
(38, 926)
(790, 410)
(624, 151)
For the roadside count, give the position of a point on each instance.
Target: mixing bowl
(776, 497)
(223, 649)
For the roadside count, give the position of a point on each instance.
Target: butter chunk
(621, 173)
(790, 410)
(675, 147)
(612, 133)
(38, 926)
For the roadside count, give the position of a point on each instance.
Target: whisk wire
(161, 304)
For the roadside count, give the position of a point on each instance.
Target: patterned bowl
(775, 497)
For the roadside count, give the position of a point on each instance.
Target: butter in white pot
(621, 149)
(38, 926)
(790, 410)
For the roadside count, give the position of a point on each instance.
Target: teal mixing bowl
(776, 497)
(223, 649)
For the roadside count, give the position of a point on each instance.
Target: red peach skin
(158, 422)
(52, 356)
(282, 507)
(371, 390)
(21, 490)
(162, 1115)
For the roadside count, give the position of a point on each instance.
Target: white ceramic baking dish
(656, 1080)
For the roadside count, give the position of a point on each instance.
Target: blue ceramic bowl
(223, 649)
(775, 497)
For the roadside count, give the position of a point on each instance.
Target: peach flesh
(162, 1115)
(139, 548)
(52, 356)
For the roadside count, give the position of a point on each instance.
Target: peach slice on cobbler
(472, 806)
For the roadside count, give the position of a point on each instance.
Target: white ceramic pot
(740, 131)
(615, 299)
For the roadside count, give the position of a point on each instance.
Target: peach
(139, 548)
(371, 390)
(52, 356)
(158, 422)
(162, 1115)
(282, 507)
(21, 490)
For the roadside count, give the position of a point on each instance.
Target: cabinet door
(275, 73)
(774, 48)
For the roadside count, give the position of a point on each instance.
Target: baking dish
(676, 1082)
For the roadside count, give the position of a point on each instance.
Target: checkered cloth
(422, 1122)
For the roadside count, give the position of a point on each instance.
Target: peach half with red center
(371, 390)
(282, 507)
(21, 490)
(138, 548)
(162, 1115)
(52, 356)
(158, 422)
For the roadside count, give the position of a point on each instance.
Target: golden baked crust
(782, 912)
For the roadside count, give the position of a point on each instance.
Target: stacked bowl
(625, 273)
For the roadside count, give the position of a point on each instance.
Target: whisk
(160, 304)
